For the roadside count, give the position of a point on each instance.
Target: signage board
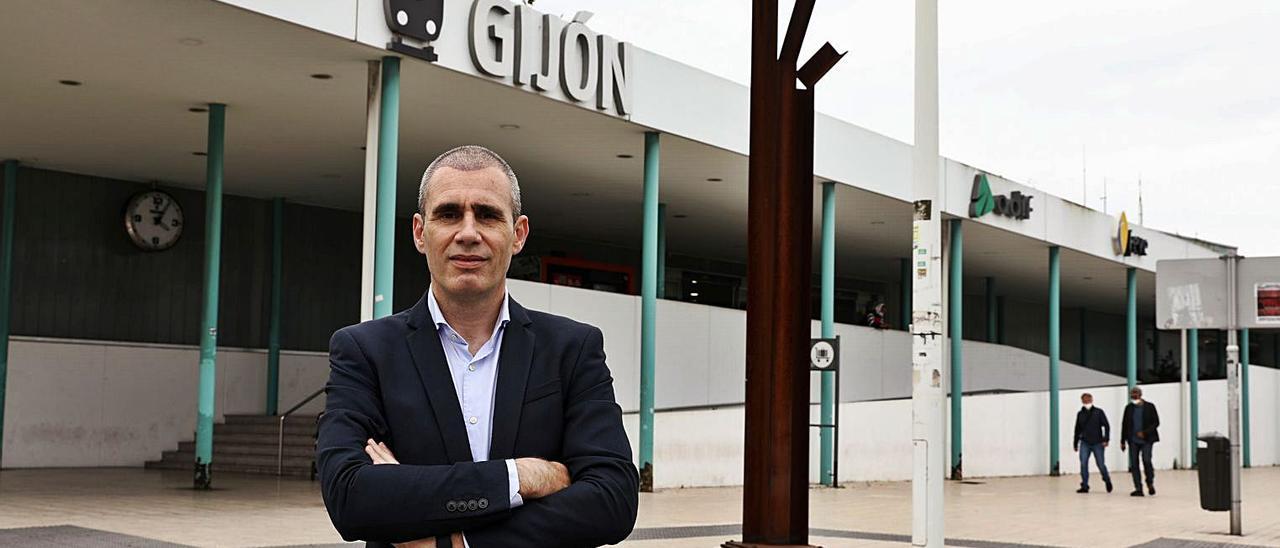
(1192, 293)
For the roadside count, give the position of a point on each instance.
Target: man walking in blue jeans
(1138, 430)
(1093, 433)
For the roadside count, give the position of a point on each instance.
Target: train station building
(265, 156)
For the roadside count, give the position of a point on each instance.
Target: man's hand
(379, 452)
(1122, 446)
(1142, 435)
(1105, 444)
(540, 478)
(1075, 448)
(455, 541)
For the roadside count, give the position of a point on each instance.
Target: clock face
(153, 220)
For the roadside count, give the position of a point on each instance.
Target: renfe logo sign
(981, 202)
(1126, 243)
(516, 42)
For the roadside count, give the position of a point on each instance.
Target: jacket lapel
(514, 363)
(433, 369)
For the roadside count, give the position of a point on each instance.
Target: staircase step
(271, 439)
(270, 419)
(290, 428)
(243, 460)
(290, 471)
(220, 448)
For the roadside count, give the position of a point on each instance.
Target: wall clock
(153, 220)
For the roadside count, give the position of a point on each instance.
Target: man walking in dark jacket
(1138, 430)
(1093, 433)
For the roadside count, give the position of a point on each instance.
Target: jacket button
(452, 506)
(472, 505)
(484, 503)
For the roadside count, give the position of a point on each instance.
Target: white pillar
(373, 110)
(928, 412)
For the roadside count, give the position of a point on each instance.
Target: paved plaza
(134, 507)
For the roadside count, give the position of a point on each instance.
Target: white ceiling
(294, 136)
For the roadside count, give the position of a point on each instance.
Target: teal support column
(1084, 337)
(384, 251)
(6, 280)
(826, 436)
(648, 307)
(1244, 396)
(1055, 342)
(904, 284)
(209, 315)
(277, 297)
(1193, 374)
(662, 251)
(1131, 327)
(1000, 320)
(955, 321)
(991, 310)
(1221, 347)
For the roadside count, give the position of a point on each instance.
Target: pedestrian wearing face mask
(1093, 433)
(1138, 430)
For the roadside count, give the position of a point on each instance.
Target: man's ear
(419, 233)
(522, 234)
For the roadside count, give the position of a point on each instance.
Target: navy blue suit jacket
(389, 380)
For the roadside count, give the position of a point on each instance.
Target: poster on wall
(1267, 296)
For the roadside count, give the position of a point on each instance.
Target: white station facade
(104, 319)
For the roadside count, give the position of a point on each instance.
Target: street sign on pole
(1228, 293)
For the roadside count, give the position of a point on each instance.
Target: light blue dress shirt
(475, 381)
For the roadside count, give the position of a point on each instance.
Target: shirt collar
(504, 313)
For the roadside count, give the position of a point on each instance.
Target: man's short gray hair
(470, 158)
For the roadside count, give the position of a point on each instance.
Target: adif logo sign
(417, 19)
(981, 202)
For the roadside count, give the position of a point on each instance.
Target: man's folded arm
(392, 503)
(599, 506)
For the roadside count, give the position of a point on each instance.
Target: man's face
(467, 233)
(1086, 399)
(1135, 394)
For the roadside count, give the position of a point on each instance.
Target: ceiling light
(877, 222)
(509, 126)
(197, 109)
(322, 76)
(330, 176)
(198, 153)
(580, 194)
(679, 216)
(69, 82)
(1088, 277)
(714, 179)
(625, 156)
(191, 41)
(694, 294)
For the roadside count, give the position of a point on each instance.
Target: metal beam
(209, 314)
(1055, 342)
(277, 297)
(388, 164)
(991, 309)
(828, 404)
(1193, 372)
(1244, 395)
(904, 282)
(648, 307)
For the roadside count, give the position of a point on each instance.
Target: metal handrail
(280, 438)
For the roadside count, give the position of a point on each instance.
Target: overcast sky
(1184, 95)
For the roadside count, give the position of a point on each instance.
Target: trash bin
(1213, 457)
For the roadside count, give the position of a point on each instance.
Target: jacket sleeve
(1106, 427)
(599, 506)
(390, 503)
(1149, 427)
(1125, 424)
